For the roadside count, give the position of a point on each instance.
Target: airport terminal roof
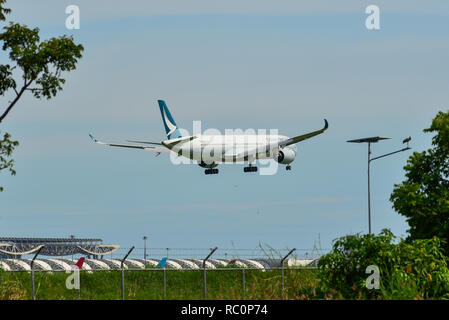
(16, 247)
(47, 240)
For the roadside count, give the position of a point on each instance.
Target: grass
(149, 285)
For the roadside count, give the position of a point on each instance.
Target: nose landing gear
(288, 168)
(211, 171)
(250, 169)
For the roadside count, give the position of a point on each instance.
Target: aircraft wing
(304, 136)
(270, 146)
(159, 150)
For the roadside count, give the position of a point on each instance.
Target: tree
(36, 66)
(423, 198)
(404, 271)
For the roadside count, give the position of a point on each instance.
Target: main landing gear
(288, 168)
(250, 169)
(211, 171)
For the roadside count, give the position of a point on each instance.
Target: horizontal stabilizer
(159, 150)
(145, 142)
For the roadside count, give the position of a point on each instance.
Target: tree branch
(19, 94)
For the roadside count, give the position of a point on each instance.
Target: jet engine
(285, 156)
(203, 164)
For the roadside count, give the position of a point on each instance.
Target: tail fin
(80, 262)
(170, 126)
(162, 263)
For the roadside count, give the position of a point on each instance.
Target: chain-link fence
(261, 273)
(158, 283)
(260, 252)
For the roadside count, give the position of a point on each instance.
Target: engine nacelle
(285, 156)
(203, 164)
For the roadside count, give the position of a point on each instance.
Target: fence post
(79, 284)
(32, 273)
(165, 285)
(243, 283)
(204, 272)
(282, 270)
(123, 272)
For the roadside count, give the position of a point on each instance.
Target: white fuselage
(228, 148)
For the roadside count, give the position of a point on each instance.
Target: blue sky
(261, 64)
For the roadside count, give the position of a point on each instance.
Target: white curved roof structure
(254, 264)
(118, 264)
(151, 262)
(104, 249)
(186, 264)
(135, 263)
(200, 264)
(91, 265)
(173, 264)
(10, 249)
(4, 266)
(99, 264)
(85, 266)
(218, 262)
(64, 265)
(42, 264)
(22, 264)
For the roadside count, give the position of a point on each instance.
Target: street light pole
(369, 141)
(145, 249)
(369, 191)
(32, 272)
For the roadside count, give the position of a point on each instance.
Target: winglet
(95, 140)
(326, 124)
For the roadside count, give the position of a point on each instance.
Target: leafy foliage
(3, 11)
(35, 66)
(6, 148)
(36, 62)
(407, 271)
(423, 198)
(41, 62)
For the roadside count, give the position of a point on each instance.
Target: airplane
(211, 150)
